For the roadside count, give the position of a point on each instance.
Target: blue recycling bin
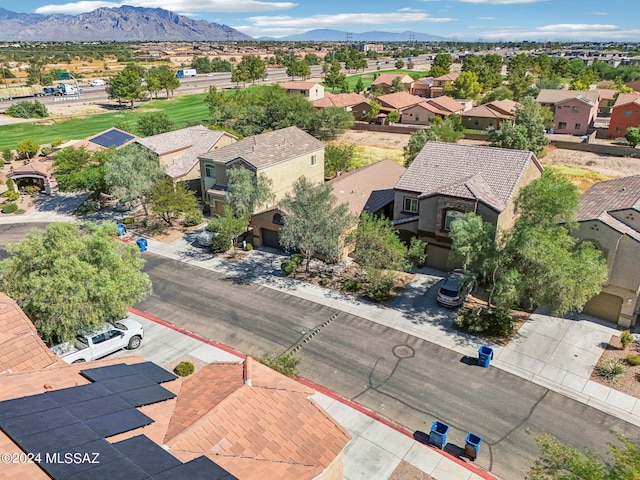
(121, 229)
(142, 244)
(438, 434)
(472, 446)
(485, 355)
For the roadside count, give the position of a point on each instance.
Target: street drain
(403, 351)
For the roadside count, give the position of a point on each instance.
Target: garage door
(270, 238)
(438, 257)
(605, 306)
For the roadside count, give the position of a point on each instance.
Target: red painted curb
(364, 410)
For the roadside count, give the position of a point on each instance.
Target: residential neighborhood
(348, 261)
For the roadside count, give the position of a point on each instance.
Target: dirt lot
(629, 381)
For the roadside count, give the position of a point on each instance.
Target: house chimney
(47, 386)
(248, 370)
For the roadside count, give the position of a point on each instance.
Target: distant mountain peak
(329, 35)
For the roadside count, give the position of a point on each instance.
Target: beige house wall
(284, 174)
(261, 221)
(480, 123)
(506, 218)
(416, 115)
(168, 157)
(629, 217)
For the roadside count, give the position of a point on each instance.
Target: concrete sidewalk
(377, 448)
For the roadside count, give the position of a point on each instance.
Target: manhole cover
(403, 351)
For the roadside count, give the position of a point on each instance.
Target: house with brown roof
(178, 151)
(575, 115)
(609, 216)
(445, 181)
(109, 138)
(422, 87)
(423, 112)
(606, 101)
(548, 97)
(341, 100)
(625, 113)
(397, 101)
(21, 349)
(37, 173)
(441, 83)
(226, 421)
(312, 91)
(282, 156)
(489, 115)
(385, 81)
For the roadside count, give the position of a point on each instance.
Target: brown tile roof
(625, 98)
(580, 98)
(486, 174)
(606, 93)
(446, 104)
(267, 149)
(43, 168)
(368, 188)
(21, 349)
(609, 196)
(388, 78)
(448, 77)
(549, 95)
(399, 100)
(298, 85)
(505, 106)
(341, 100)
(484, 111)
(193, 141)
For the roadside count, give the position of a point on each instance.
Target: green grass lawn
(367, 78)
(181, 110)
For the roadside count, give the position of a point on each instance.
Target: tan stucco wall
(417, 116)
(506, 218)
(574, 112)
(284, 174)
(629, 216)
(480, 123)
(167, 158)
(260, 221)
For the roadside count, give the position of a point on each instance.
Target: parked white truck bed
(126, 333)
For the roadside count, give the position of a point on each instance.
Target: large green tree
(466, 86)
(313, 222)
(338, 158)
(329, 122)
(171, 200)
(80, 169)
(71, 277)
(164, 78)
(127, 85)
(248, 192)
(526, 132)
(154, 123)
(377, 244)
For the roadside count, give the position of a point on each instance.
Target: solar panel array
(65, 430)
(111, 138)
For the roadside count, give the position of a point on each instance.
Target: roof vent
(623, 189)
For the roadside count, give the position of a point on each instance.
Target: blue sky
(489, 20)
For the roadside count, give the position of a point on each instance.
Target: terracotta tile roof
(579, 98)
(21, 349)
(341, 100)
(388, 78)
(448, 77)
(505, 106)
(549, 95)
(484, 111)
(486, 174)
(625, 98)
(368, 189)
(38, 167)
(267, 149)
(298, 85)
(610, 196)
(446, 104)
(193, 141)
(399, 100)
(606, 93)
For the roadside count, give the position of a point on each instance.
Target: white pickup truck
(126, 333)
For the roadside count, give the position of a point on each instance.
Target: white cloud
(601, 13)
(344, 19)
(577, 27)
(486, 18)
(502, 2)
(225, 6)
(575, 32)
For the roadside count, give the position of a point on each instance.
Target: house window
(450, 216)
(410, 205)
(314, 160)
(417, 118)
(618, 130)
(577, 126)
(575, 109)
(475, 122)
(277, 219)
(209, 171)
(562, 125)
(627, 113)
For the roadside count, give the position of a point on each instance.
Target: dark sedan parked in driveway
(456, 288)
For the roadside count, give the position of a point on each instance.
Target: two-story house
(312, 91)
(489, 115)
(385, 81)
(282, 156)
(445, 181)
(609, 216)
(625, 113)
(574, 116)
(441, 83)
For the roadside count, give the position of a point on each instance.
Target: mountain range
(327, 35)
(122, 24)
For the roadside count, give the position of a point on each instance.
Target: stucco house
(549, 97)
(625, 113)
(489, 115)
(385, 81)
(422, 87)
(312, 91)
(282, 156)
(446, 181)
(609, 216)
(606, 101)
(417, 110)
(37, 173)
(178, 151)
(574, 116)
(397, 101)
(442, 82)
(341, 100)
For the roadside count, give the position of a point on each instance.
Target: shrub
(184, 369)
(633, 359)
(248, 247)
(192, 218)
(379, 284)
(297, 258)
(288, 267)
(128, 220)
(7, 155)
(11, 195)
(26, 109)
(351, 285)
(10, 184)
(323, 282)
(213, 225)
(285, 363)
(495, 321)
(44, 151)
(417, 252)
(220, 243)
(626, 339)
(611, 369)
(57, 142)
(153, 226)
(9, 208)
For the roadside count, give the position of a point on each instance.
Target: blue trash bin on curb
(472, 445)
(142, 244)
(485, 355)
(438, 434)
(121, 229)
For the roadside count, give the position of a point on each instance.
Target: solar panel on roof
(153, 371)
(66, 396)
(119, 469)
(25, 405)
(111, 138)
(103, 373)
(146, 396)
(58, 439)
(147, 454)
(32, 423)
(118, 422)
(130, 382)
(201, 468)
(84, 458)
(98, 406)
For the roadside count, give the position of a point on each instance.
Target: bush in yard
(351, 285)
(495, 321)
(248, 247)
(297, 258)
(11, 195)
(192, 218)
(288, 267)
(184, 369)
(9, 208)
(220, 243)
(285, 363)
(153, 227)
(626, 339)
(7, 155)
(44, 151)
(611, 369)
(633, 359)
(417, 252)
(128, 220)
(379, 284)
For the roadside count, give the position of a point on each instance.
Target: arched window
(277, 219)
